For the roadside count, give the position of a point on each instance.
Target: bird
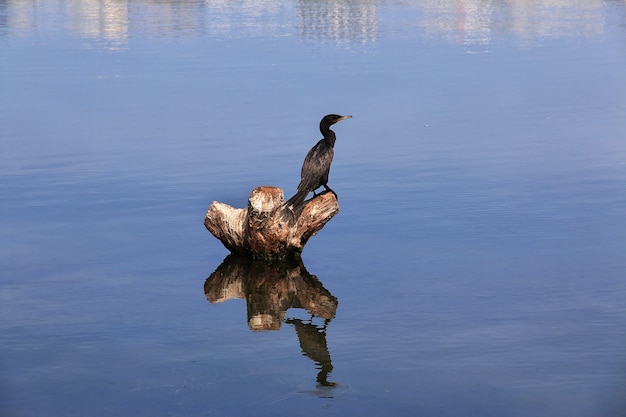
(316, 165)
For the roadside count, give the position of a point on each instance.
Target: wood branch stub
(266, 229)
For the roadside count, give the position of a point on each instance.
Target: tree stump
(266, 229)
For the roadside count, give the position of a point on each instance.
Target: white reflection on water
(475, 22)
(338, 21)
(107, 20)
(471, 22)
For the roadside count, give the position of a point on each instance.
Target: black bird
(316, 165)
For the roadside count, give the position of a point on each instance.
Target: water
(476, 266)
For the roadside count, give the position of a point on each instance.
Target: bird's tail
(294, 206)
(296, 202)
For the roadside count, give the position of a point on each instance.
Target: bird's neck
(329, 135)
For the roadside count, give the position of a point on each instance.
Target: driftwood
(266, 229)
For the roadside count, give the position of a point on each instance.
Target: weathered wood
(266, 229)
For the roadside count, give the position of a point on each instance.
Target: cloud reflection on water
(475, 22)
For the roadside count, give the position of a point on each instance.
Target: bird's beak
(344, 118)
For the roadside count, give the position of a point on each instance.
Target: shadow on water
(272, 288)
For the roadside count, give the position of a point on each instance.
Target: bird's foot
(331, 190)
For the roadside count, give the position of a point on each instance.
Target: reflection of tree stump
(266, 229)
(270, 289)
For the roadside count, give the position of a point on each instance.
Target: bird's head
(331, 119)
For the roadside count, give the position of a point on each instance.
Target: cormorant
(316, 165)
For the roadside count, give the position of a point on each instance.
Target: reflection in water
(167, 18)
(313, 344)
(106, 20)
(338, 21)
(459, 21)
(474, 22)
(270, 289)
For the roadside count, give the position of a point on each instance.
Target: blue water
(477, 261)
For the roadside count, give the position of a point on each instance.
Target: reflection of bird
(316, 164)
(313, 344)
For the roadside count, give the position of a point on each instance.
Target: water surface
(476, 266)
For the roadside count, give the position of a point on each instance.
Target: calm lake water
(477, 266)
